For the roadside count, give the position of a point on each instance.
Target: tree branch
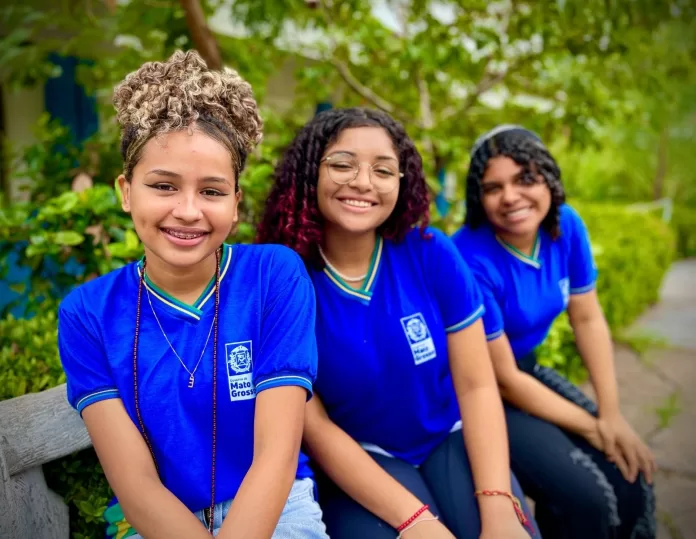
(345, 72)
(203, 38)
(489, 79)
(487, 82)
(360, 88)
(426, 111)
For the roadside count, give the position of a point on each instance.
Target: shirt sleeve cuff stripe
(97, 396)
(494, 335)
(583, 289)
(467, 321)
(286, 380)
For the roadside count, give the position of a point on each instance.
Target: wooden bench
(35, 429)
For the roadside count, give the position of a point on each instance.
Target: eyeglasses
(344, 168)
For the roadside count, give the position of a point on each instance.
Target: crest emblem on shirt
(239, 361)
(564, 285)
(418, 337)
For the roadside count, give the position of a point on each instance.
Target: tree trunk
(203, 38)
(661, 170)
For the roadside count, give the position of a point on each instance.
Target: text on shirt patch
(238, 357)
(419, 339)
(564, 285)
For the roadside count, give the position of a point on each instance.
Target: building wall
(21, 110)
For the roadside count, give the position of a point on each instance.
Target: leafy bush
(633, 251)
(684, 225)
(28, 355)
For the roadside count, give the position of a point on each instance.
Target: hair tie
(504, 128)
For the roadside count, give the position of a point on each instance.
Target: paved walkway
(658, 398)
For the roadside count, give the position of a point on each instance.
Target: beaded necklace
(209, 511)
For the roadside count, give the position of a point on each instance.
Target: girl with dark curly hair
(585, 467)
(192, 366)
(403, 361)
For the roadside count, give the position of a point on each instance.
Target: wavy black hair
(524, 148)
(292, 216)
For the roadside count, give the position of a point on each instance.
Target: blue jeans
(300, 519)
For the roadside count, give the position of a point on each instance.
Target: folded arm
(256, 508)
(148, 506)
(483, 421)
(530, 395)
(357, 474)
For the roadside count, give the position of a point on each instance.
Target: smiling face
(182, 197)
(358, 207)
(515, 202)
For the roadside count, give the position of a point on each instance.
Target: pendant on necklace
(190, 384)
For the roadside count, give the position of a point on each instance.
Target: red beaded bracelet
(515, 503)
(414, 517)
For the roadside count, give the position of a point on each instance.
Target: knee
(596, 499)
(638, 506)
(598, 505)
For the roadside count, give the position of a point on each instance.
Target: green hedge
(684, 225)
(633, 251)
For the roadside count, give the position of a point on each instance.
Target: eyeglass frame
(357, 171)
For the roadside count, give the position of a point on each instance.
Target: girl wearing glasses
(531, 255)
(407, 422)
(192, 366)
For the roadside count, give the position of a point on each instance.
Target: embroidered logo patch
(564, 285)
(419, 339)
(238, 357)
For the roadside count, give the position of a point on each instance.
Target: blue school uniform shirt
(384, 375)
(523, 294)
(265, 340)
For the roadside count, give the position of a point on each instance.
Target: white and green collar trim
(196, 310)
(532, 260)
(363, 293)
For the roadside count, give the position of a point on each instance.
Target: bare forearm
(156, 513)
(533, 397)
(593, 340)
(256, 508)
(359, 476)
(485, 436)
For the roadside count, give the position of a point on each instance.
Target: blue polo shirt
(265, 340)
(524, 294)
(384, 373)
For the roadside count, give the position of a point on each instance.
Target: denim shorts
(300, 519)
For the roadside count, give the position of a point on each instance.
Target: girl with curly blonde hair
(191, 366)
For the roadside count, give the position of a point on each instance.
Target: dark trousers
(579, 494)
(443, 481)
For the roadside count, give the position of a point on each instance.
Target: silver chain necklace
(191, 373)
(344, 277)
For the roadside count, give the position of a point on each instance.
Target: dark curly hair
(292, 217)
(525, 149)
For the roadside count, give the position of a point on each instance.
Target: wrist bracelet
(401, 535)
(414, 517)
(515, 503)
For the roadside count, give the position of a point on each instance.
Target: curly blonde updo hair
(162, 97)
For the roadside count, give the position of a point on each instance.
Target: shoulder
(92, 297)
(480, 250)
(428, 239)
(423, 248)
(574, 233)
(474, 241)
(278, 260)
(475, 244)
(569, 218)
